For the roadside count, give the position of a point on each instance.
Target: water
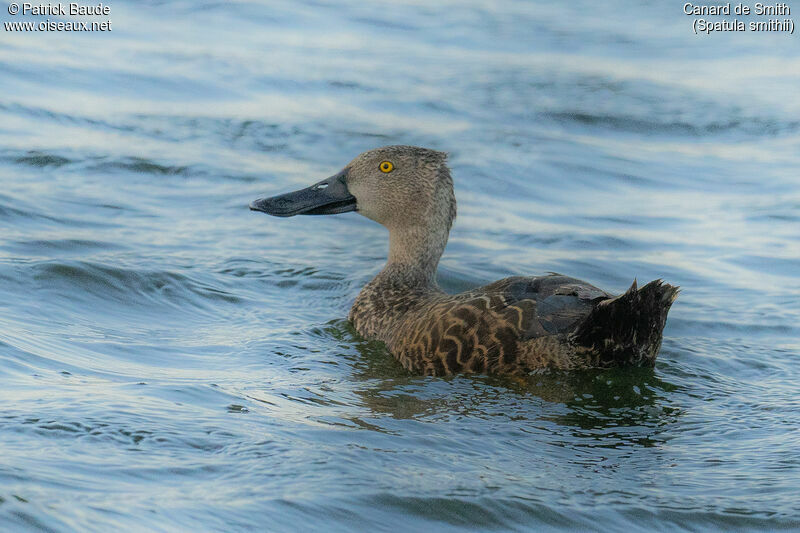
(171, 361)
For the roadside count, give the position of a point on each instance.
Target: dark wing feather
(551, 304)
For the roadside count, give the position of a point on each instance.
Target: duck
(516, 326)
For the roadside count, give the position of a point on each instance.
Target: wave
(129, 286)
(753, 126)
(631, 106)
(40, 159)
(141, 165)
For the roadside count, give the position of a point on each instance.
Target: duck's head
(400, 187)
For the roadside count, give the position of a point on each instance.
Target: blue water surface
(170, 361)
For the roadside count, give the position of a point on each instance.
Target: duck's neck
(414, 253)
(406, 281)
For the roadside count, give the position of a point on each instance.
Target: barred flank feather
(627, 330)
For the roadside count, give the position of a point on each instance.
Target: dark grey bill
(328, 197)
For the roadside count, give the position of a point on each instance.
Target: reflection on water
(171, 361)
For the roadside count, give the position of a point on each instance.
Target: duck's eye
(386, 166)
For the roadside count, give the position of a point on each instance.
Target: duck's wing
(545, 305)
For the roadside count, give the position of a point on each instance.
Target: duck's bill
(328, 197)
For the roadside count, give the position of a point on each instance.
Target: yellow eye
(386, 166)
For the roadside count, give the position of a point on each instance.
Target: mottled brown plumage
(513, 326)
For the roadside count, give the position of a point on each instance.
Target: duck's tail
(626, 330)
